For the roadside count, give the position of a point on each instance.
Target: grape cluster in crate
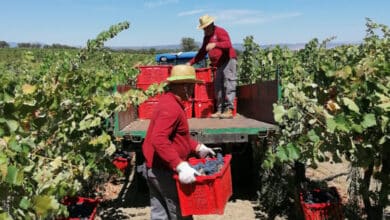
(321, 203)
(210, 166)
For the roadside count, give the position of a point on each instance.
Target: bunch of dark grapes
(321, 196)
(210, 166)
(81, 210)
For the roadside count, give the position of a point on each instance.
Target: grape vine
(53, 139)
(335, 103)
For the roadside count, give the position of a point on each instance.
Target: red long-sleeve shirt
(168, 141)
(222, 52)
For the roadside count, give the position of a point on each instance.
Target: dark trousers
(164, 201)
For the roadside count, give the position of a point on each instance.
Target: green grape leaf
(385, 102)
(3, 169)
(331, 125)
(24, 203)
(282, 154)
(43, 204)
(14, 145)
(342, 123)
(278, 113)
(5, 216)
(384, 122)
(268, 163)
(351, 104)
(110, 150)
(368, 121)
(293, 152)
(8, 99)
(313, 136)
(385, 106)
(357, 128)
(292, 112)
(14, 176)
(56, 163)
(383, 139)
(12, 125)
(28, 89)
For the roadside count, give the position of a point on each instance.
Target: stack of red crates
(204, 93)
(146, 77)
(155, 74)
(204, 98)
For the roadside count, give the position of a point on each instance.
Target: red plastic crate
(153, 74)
(322, 210)
(145, 109)
(203, 108)
(122, 159)
(208, 194)
(79, 207)
(204, 91)
(205, 74)
(121, 163)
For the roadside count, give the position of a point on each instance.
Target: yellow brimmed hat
(205, 21)
(183, 74)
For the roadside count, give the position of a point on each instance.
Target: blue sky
(163, 22)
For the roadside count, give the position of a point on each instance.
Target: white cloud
(250, 16)
(284, 16)
(157, 3)
(193, 12)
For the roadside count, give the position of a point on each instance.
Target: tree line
(187, 44)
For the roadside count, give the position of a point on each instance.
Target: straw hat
(205, 21)
(183, 74)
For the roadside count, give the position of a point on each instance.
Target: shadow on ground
(134, 193)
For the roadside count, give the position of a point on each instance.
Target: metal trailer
(246, 136)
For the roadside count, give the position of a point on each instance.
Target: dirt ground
(240, 209)
(334, 174)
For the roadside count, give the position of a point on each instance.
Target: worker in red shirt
(216, 42)
(168, 144)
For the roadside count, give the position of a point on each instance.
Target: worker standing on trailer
(216, 42)
(168, 144)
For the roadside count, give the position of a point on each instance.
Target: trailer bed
(205, 123)
(254, 117)
(208, 130)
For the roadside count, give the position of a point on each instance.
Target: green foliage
(4, 44)
(53, 139)
(333, 100)
(337, 100)
(188, 44)
(258, 64)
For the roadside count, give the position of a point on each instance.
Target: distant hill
(157, 47)
(15, 44)
(12, 44)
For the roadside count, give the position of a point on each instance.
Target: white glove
(203, 151)
(186, 173)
